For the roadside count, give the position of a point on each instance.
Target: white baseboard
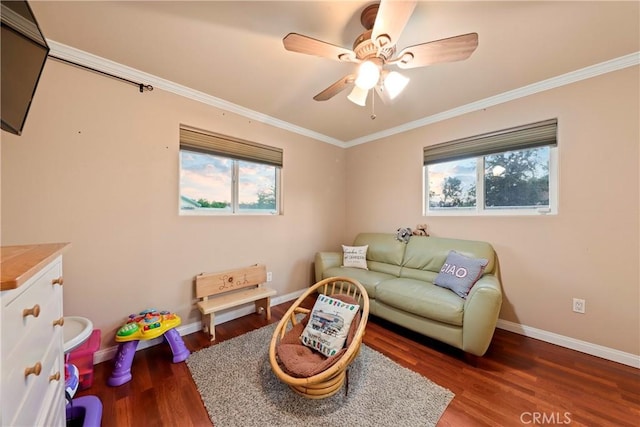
(550, 337)
(186, 329)
(607, 353)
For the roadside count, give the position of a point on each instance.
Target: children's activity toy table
(146, 325)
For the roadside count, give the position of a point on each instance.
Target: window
(224, 175)
(507, 172)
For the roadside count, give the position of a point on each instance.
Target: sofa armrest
(481, 310)
(326, 260)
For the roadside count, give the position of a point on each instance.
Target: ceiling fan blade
(335, 88)
(391, 19)
(295, 42)
(445, 50)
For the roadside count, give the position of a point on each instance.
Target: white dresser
(32, 362)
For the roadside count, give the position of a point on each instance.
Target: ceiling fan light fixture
(394, 83)
(368, 75)
(374, 51)
(358, 96)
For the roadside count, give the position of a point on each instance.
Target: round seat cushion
(300, 361)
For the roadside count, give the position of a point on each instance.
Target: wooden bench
(227, 289)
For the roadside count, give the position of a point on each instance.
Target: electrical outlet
(269, 276)
(579, 305)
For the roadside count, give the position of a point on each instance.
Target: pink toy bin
(82, 357)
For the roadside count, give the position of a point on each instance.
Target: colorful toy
(146, 325)
(71, 380)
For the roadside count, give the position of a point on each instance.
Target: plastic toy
(71, 380)
(85, 411)
(146, 325)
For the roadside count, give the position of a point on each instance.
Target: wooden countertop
(19, 263)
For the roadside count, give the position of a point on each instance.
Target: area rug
(238, 388)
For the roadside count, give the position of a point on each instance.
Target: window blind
(533, 135)
(228, 146)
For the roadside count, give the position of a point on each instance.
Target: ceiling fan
(375, 51)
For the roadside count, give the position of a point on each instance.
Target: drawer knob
(58, 322)
(55, 377)
(35, 369)
(33, 311)
(58, 281)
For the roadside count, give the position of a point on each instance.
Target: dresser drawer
(30, 337)
(20, 330)
(54, 415)
(27, 398)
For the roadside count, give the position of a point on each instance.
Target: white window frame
(235, 150)
(234, 208)
(539, 134)
(480, 209)
(235, 199)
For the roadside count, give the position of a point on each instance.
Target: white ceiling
(233, 51)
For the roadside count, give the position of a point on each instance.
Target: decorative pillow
(459, 273)
(300, 361)
(355, 256)
(329, 325)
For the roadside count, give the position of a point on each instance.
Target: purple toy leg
(122, 372)
(175, 341)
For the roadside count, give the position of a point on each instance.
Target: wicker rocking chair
(333, 370)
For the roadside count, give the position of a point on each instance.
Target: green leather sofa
(399, 281)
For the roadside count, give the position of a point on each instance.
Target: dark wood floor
(520, 381)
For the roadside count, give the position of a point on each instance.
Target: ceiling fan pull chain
(373, 105)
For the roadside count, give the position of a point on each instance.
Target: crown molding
(87, 59)
(615, 64)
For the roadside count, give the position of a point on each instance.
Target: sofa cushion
(459, 273)
(430, 253)
(354, 256)
(422, 299)
(383, 248)
(417, 274)
(369, 278)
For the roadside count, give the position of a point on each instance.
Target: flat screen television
(24, 51)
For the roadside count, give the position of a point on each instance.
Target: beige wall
(97, 165)
(589, 250)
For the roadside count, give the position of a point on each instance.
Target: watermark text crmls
(545, 418)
